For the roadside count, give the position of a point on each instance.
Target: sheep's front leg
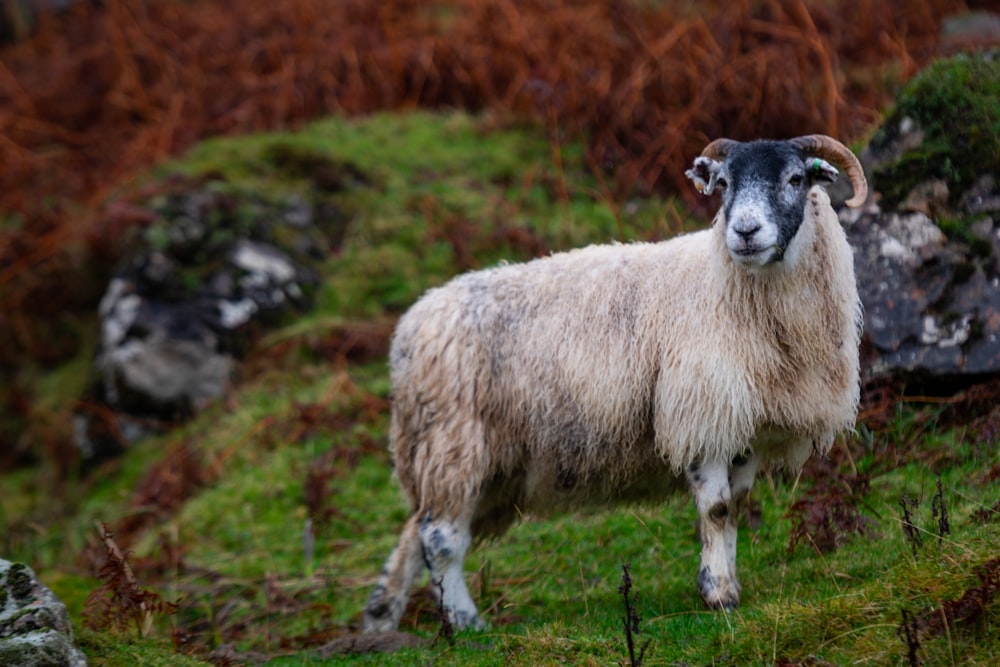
(445, 545)
(719, 490)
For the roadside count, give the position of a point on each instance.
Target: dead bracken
(107, 89)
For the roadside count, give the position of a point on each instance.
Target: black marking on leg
(438, 544)
(706, 582)
(718, 512)
(379, 611)
(435, 543)
(378, 607)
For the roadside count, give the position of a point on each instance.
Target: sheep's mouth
(748, 251)
(755, 255)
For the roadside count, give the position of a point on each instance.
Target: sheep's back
(544, 371)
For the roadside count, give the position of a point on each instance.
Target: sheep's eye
(721, 183)
(795, 180)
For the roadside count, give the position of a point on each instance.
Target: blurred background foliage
(99, 91)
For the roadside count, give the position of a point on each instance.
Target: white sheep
(620, 373)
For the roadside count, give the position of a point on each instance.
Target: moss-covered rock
(19, 581)
(944, 130)
(220, 261)
(928, 258)
(34, 627)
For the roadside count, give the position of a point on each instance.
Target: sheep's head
(764, 186)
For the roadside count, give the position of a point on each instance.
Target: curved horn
(828, 148)
(719, 148)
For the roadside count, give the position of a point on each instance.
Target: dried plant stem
(631, 620)
(145, 616)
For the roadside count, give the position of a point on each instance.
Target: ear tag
(822, 170)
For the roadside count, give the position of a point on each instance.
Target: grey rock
(927, 245)
(983, 197)
(34, 627)
(931, 303)
(899, 136)
(213, 271)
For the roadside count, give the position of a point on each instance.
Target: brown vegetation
(120, 601)
(962, 614)
(101, 92)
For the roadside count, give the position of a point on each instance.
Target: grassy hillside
(267, 518)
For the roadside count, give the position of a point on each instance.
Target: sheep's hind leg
(718, 489)
(445, 545)
(388, 601)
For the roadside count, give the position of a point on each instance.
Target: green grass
(552, 585)
(232, 553)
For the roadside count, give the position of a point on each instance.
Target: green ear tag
(817, 165)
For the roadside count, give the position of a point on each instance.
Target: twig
(910, 529)
(939, 510)
(908, 633)
(447, 629)
(631, 620)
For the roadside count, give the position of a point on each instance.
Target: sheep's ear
(821, 170)
(703, 174)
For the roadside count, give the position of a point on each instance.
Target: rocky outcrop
(213, 269)
(932, 305)
(927, 246)
(34, 627)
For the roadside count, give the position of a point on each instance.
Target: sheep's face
(764, 186)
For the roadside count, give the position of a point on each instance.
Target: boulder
(214, 267)
(34, 627)
(927, 245)
(932, 306)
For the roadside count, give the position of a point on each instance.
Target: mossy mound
(945, 127)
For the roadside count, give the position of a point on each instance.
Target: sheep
(625, 372)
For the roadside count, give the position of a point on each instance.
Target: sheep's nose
(747, 231)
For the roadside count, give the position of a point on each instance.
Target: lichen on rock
(34, 627)
(219, 263)
(927, 253)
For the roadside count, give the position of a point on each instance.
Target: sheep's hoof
(380, 615)
(721, 605)
(377, 625)
(464, 620)
(719, 594)
(718, 600)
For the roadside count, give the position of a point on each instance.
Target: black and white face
(764, 186)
